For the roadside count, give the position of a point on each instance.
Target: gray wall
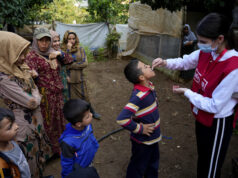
(155, 46)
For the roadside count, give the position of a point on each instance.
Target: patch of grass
(89, 54)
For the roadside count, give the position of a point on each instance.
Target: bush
(96, 55)
(112, 42)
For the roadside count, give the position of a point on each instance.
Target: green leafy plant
(89, 54)
(17, 12)
(96, 55)
(64, 11)
(108, 11)
(112, 42)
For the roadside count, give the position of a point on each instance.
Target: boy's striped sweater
(142, 108)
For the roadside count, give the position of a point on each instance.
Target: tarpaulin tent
(92, 35)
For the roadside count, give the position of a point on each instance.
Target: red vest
(207, 77)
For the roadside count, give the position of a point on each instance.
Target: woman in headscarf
(63, 59)
(189, 40)
(188, 45)
(21, 95)
(42, 58)
(77, 82)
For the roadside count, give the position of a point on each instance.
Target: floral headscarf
(75, 47)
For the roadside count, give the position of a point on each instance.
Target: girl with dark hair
(212, 94)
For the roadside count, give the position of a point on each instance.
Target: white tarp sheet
(92, 35)
(123, 29)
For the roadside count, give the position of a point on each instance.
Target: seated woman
(21, 95)
(42, 58)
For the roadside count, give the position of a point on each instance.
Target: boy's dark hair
(213, 25)
(132, 72)
(6, 113)
(74, 110)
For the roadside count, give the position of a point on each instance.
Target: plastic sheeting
(92, 35)
(123, 29)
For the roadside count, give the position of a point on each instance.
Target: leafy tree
(64, 11)
(16, 12)
(110, 11)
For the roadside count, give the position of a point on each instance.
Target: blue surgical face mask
(206, 48)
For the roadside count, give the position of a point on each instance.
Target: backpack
(7, 168)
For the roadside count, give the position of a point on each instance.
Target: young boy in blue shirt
(141, 117)
(78, 144)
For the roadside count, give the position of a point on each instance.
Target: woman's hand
(158, 62)
(68, 79)
(33, 73)
(180, 90)
(54, 55)
(69, 46)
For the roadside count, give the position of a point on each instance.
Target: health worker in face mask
(212, 96)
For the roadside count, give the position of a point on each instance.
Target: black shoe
(96, 116)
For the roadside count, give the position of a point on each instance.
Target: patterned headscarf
(75, 47)
(12, 45)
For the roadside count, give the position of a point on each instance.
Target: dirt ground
(109, 92)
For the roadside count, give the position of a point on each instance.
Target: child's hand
(148, 129)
